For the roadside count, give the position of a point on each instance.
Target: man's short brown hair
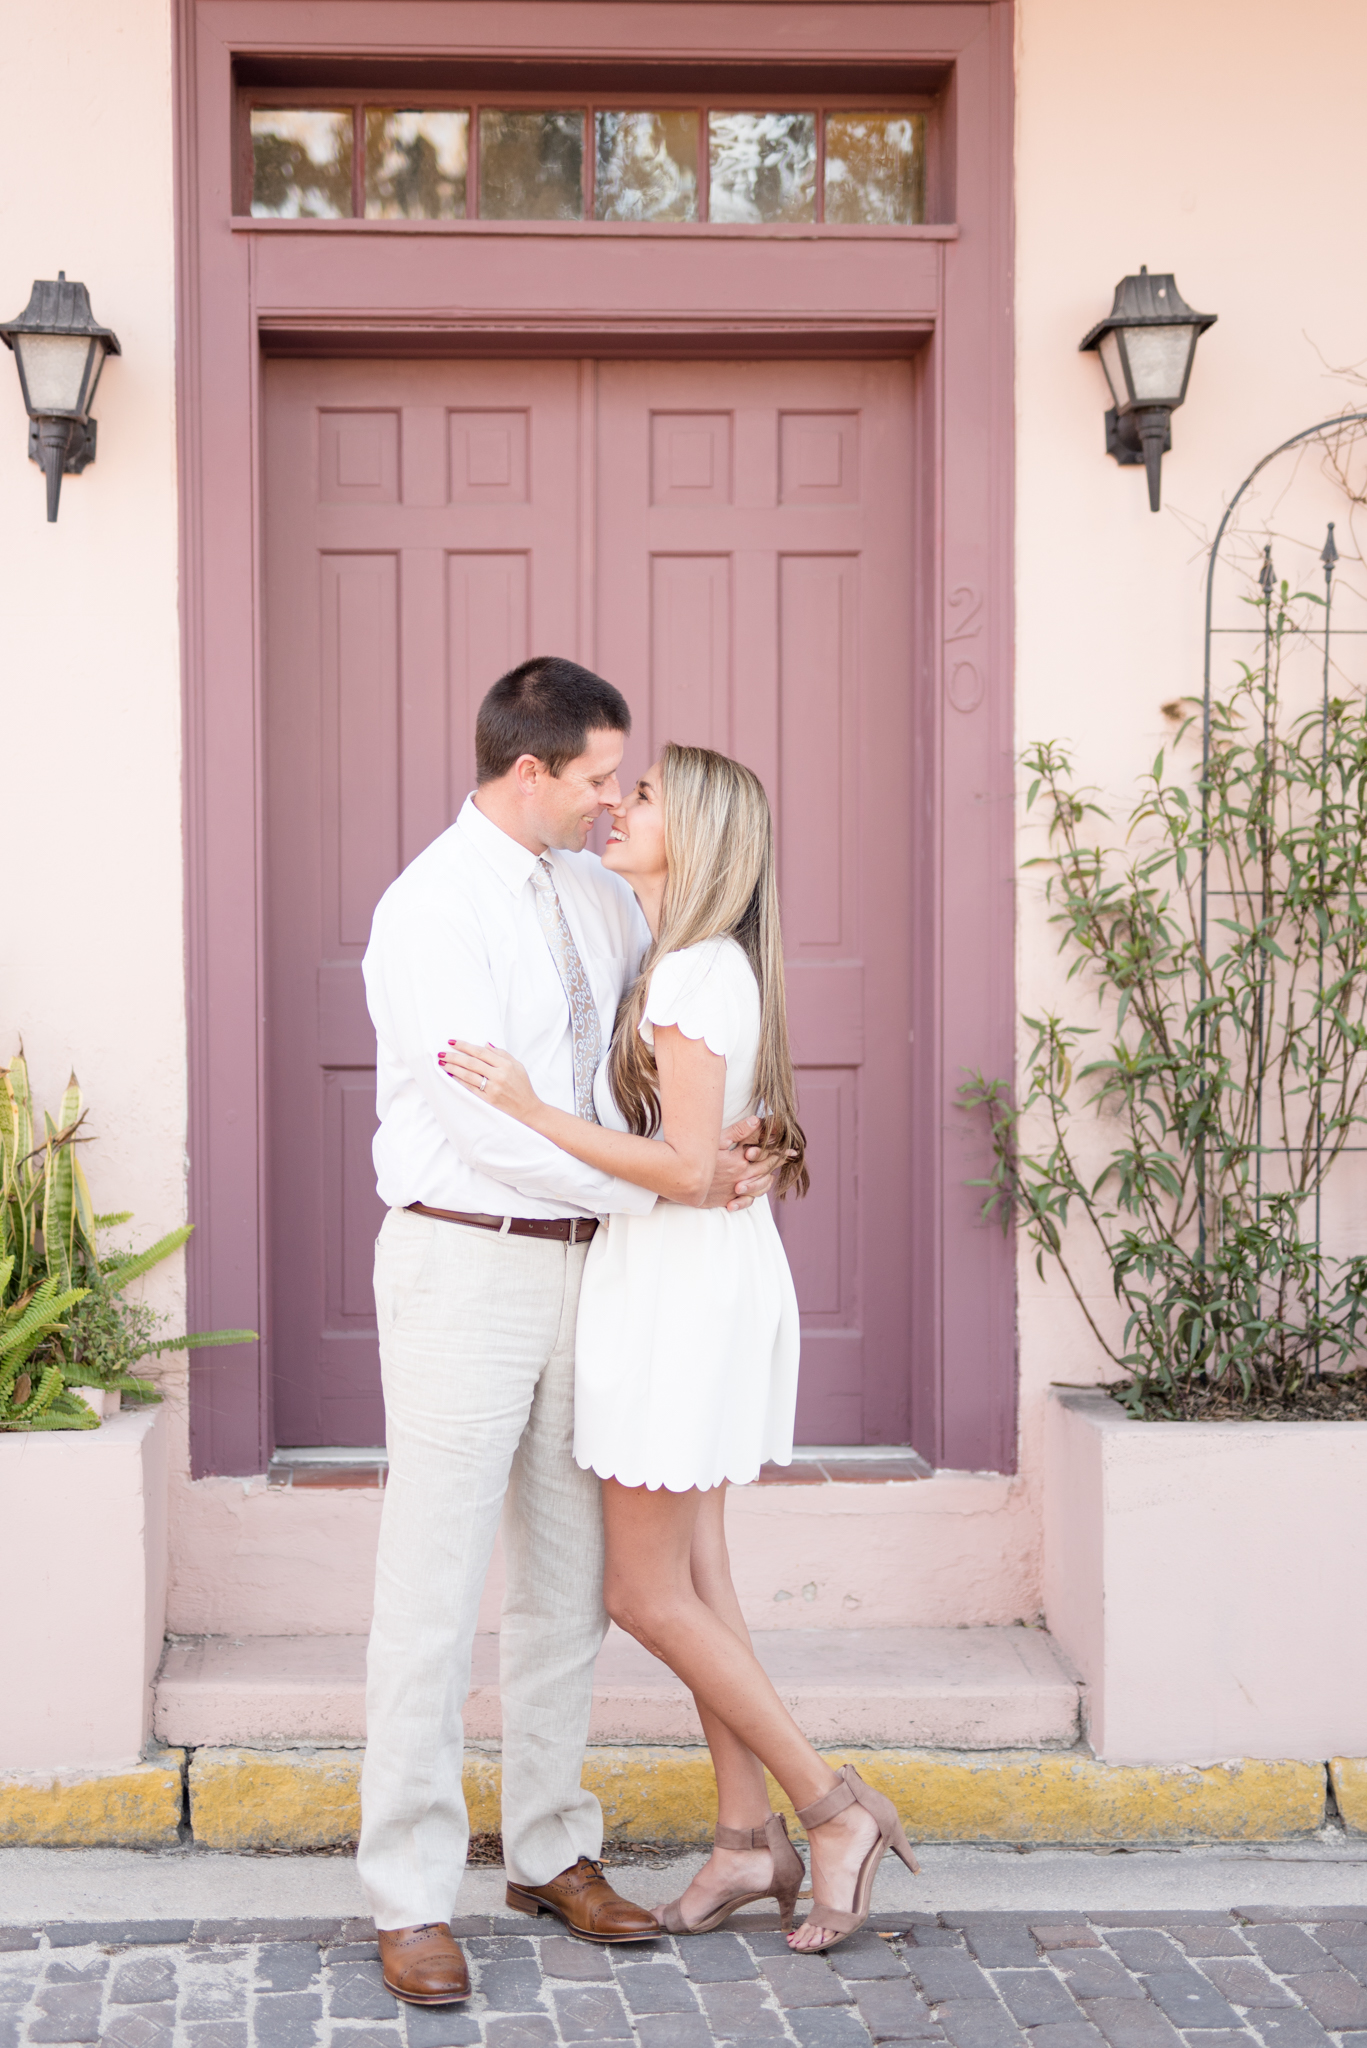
(547, 707)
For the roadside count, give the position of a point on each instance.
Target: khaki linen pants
(477, 1353)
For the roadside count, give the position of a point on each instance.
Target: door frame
(942, 294)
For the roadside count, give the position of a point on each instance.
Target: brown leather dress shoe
(423, 1965)
(583, 1899)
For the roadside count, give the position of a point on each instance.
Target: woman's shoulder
(705, 989)
(706, 951)
(720, 959)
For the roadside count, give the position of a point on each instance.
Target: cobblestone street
(1282, 1978)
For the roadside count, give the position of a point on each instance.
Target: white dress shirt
(457, 951)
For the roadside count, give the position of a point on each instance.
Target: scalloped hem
(719, 1052)
(685, 1485)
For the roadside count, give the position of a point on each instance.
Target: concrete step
(940, 1688)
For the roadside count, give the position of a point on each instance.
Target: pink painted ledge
(989, 1688)
(605, 230)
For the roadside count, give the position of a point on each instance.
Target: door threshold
(349, 1465)
(848, 1464)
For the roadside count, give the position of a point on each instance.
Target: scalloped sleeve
(697, 990)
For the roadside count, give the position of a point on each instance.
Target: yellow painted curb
(275, 1799)
(1348, 1776)
(302, 1798)
(653, 1795)
(993, 1796)
(136, 1808)
(1063, 1797)
(306, 1799)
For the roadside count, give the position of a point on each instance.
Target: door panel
(690, 647)
(755, 522)
(417, 545)
(745, 581)
(817, 619)
(360, 674)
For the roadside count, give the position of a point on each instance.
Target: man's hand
(743, 1172)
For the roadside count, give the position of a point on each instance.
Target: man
(504, 930)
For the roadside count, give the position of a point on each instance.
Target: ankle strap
(841, 1795)
(741, 1838)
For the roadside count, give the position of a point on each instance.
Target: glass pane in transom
(761, 167)
(646, 166)
(531, 164)
(301, 163)
(875, 169)
(415, 163)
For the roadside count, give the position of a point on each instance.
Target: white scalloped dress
(687, 1346)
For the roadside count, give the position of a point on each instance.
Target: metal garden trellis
(1267, 582)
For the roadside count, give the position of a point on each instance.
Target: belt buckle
(574, 1225)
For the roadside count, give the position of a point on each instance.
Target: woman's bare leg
(649, 1591)
(742, 1795)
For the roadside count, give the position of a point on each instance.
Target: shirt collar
(512, 863)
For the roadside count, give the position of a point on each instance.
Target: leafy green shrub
(1230, 1071)
(64, 1321)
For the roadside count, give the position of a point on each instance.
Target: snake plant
(64, 1319)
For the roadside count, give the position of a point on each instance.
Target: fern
(122, 1273)
(42, 1396)
(206, 1340)
(30, 1324)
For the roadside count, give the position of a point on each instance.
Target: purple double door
(729, 542)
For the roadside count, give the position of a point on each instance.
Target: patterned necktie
(584, 1026)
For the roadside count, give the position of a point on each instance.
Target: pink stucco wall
(1109, 597)
(89, 630)
(1205, 1579)
(92, 972)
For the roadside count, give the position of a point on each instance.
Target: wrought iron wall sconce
(60, 349)
(1147, 343)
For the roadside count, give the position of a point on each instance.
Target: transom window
(485, 161)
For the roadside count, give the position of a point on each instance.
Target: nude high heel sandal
(783, 1886)
(891, 1835)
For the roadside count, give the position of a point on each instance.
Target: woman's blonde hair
(719, 845)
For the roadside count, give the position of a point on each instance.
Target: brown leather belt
(565, 1229)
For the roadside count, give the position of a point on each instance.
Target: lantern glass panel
(1159, 357)
(1109, 350)
(55, 371)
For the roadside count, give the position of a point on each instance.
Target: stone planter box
(83, 1536)
(1209, 1582)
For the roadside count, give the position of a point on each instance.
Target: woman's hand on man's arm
(486, 1070)
(692, 1082)
(744, 1172)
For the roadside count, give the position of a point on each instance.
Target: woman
(687, 1341)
